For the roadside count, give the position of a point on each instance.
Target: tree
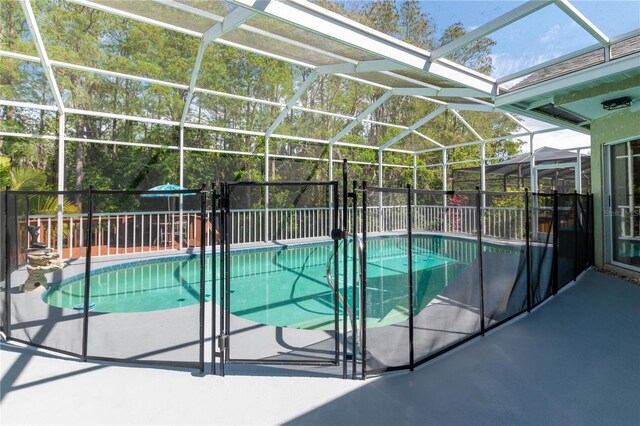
(475, 55)
(93, 38)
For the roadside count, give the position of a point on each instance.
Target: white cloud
(507, 63)
(551, 34)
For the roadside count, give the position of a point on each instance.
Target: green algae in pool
(282, 287)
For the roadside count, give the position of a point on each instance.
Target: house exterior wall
(618, 126)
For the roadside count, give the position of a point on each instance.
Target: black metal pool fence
(494, 255)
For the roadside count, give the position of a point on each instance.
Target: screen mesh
(145, 294)
(446, 271)
(504, 263)
(541, 246)
(280, 306)
(387, 285)
(46, 250)
(440, 267)
(567, 238)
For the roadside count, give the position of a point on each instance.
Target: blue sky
(542, 36)
(539, 37)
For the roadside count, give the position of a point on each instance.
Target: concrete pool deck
(574, 360)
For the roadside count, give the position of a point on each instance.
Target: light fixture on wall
(616, 103)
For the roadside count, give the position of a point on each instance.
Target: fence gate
(278, 298)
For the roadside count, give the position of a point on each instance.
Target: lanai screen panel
(121, 167)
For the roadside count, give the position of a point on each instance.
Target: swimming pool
(284, 286)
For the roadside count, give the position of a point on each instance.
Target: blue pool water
(284, 286)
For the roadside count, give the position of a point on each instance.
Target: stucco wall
(618, 126)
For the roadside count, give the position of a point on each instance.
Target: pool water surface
(284, 286)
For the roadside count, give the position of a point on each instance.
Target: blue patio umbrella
(160, 191)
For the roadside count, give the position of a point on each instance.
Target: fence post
(589, 244)
(223, 274)
(345, 272)
(336, 271)
(203, 218)
(214, 197)
(410, 271)
(481, 274)
(527, 247)
(87, 277)
(354, 294)
(556, 219)
(7, 267)
(575, 235)
(592, 258)
(363, 284)
(227, 272)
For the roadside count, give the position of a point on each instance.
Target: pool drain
(181, 300)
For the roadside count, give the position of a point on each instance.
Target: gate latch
(223, 341)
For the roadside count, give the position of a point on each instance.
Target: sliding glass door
(623, 209)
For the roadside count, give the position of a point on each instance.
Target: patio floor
(574, 360)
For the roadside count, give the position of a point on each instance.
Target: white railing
(119, 233)
(629, 221)
(140, 232)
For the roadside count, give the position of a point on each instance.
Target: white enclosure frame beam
(303, 88)
(53, 85)
(414, 126)
(473, 107)
(415, 175)
(140, 18)
(425, 137)
(190, 9)
(310, 17)
(364, 114)
(516, 121)
(490, 27)
(483, 164)
(578, 179)
(42, 52)
(380, 185)
(445, 91)
(582, 20)
(483, 184)
(30, 105)
(467, 125)
(375, 65)
(460, 145)
(180, 86)
(231, 21)
(19, 56)
(364, 65)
